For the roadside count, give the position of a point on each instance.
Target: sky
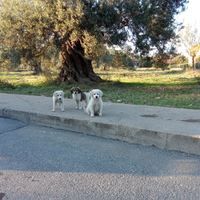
(190, 16)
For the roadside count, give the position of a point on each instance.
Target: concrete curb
(162, 140)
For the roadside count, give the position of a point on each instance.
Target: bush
(197, 65)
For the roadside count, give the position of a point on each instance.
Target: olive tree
(78, 27)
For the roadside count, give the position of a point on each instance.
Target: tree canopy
(79, 28)
(190, 38)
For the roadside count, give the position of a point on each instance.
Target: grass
(171, 88)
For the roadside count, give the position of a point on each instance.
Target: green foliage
(129, 63)
(145, 62)
(116, 59)
(38, 23)
(10, 58)
(50, 62)
(33, 26)
(160, 61)
(178, 59)
(106, 59)
(5, 84)
(121, 59)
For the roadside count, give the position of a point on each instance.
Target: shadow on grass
(173, 72)
(5, 84)
(47, 88)
(139, 72)
(146, 84)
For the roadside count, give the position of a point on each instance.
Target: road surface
(43, 163)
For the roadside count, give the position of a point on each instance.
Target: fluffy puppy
(58, 97)
(80, 96)
(95, 105)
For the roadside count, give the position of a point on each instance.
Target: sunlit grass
(176, 88)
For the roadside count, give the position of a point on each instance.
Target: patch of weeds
(174, 72)
(197, 78)
(5, 84)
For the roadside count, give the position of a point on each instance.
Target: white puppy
(95, 105)
(80, 96)
(58, 97)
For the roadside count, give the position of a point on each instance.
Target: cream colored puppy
(58, 98)
(95, 105)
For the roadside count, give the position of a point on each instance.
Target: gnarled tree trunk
(75, 66)
(37, 68)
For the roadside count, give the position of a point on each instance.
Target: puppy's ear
(63, 93)
(55, 94)
(79, 90)
(91, 93)
(101, 93)
(71, 90)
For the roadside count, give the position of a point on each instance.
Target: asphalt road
(44, 163)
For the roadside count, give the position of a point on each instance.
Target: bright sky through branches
(192, 14)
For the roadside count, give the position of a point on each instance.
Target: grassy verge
(178, 89)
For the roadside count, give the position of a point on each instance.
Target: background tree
(161, 61)
(178, 59)
(101, 49)
(115, 58)
(107, 59)
(76, 27)
(145, 61)
(190, 38)
(9, 58)
(122, 59)
(14, 51)
(198, 62)
(13, 59)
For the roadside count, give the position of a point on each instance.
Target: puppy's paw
(53, 110)
(91, 115)
(63, 110)
(100, 115)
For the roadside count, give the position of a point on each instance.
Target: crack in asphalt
(8, 131)
(7, 126)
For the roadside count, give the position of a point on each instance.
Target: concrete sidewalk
(165, 128)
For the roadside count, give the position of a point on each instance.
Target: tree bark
(193, 67)
(75, 66)
(37, 68)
